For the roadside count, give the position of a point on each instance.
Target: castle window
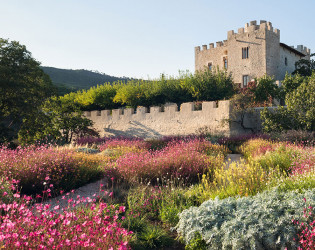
(245, 53)
(245, 80)
(225, 63)
(210, 66)
(286, 61)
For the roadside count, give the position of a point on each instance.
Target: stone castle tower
(251, 52)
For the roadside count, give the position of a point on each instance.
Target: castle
(252, 52)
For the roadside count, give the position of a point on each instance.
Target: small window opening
(286, 61)
(210, 66)
(245, 53)
(245, 80)
(225, 63)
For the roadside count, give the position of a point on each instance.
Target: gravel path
(95, 188)
(231, 158)
(91, 190)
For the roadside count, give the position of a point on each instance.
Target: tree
(305, 67)
(209, 85)
(299, 113)
(23, 87)
(258, 93)
(60, 120)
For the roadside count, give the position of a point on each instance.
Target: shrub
(40, 226)
(234, 142)
(39, 168)
(293, 159)
(263, 221)
(303, 137)
(239, 179)
(178, 161)
(256, 147)
(306, 226)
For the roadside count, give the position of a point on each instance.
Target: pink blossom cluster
(38, 167)
(124, 142)
(179, 160)
(304, 163)
(94, 226)
(306, 235)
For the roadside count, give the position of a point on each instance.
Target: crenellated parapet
(303, 49)
(169, 119)
(156, 111)
(250, 27)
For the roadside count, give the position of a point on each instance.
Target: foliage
(208, 85)
(306, 235)
(40, 168)
(196, 243)
(265, 89)
(178, 161)
(293, 159)
(258, 93)
(238, 179)
(45, 227)
(204, 85)
(291, 83)
(305, 67)
(301, 137)
(234, 142)
(300, 111)
(60, 120)
(23, 87)
(262, 221)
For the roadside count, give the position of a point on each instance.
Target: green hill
(68, 80)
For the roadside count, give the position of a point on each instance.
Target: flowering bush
(306, 235)
(124, 142)
(241, 179)
(294, 159)
(263, 221)
(305, 163)
(256, 147)
(179, 160)
(234, 142)
(39, 168)
(45, 227)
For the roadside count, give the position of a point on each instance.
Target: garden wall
(168, 120)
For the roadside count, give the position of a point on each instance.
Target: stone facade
(171, 120)
(253, 51)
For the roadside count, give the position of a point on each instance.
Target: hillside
(68, 80)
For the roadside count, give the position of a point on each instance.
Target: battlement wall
(250, 27)
(160, 121)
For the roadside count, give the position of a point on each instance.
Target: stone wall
(171, 120)
(160, 121)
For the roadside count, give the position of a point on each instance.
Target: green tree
(300, 110)
(305, 67)
(23, 87)
(209, 85)
(59, 121)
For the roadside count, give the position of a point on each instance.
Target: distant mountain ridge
(68, 80)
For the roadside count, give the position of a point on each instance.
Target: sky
(142, 38)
